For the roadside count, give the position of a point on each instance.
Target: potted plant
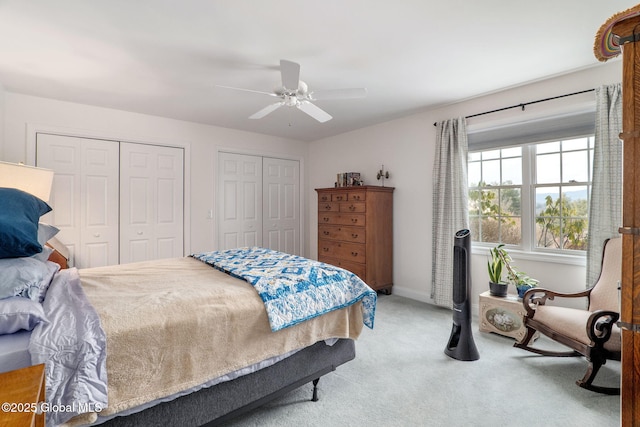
(495, 268)
(518, 278)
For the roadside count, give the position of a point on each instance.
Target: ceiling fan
(295, 93)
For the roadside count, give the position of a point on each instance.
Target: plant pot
(522, 289)
(498, 289)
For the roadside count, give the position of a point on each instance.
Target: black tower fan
(461, 345)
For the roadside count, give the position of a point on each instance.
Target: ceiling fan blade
(248, 90)
(314, 111)
(266, 110)
(339, 94)
(290, 74)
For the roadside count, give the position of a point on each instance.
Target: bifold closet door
(281, 205)
(258, 202)
(151, 202)
(239, 200)
(84, 196)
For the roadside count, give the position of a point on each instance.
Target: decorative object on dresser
(355, 232)
(348, 179)
(382, 175)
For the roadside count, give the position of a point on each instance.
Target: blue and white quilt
(293, 288)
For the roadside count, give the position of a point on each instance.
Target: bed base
(218, 404)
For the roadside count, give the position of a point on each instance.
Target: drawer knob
(327, 207)
(354, 220)
(354, 235)
(325, 249)
(356, 197)
(352, 208)
(325, 219)
(339, 198)
(354, 253)
(326, 233)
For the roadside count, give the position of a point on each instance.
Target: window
(534, 196)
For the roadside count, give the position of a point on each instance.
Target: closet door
(84, 196)
(151, 202)
(281, 205)
(239, 200)
(258, 202)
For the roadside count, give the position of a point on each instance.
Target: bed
(194, 340)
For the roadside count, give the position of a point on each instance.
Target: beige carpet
(401, 377)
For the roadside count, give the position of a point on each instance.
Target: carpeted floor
(401, 377)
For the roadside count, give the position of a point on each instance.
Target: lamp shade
(33, 180)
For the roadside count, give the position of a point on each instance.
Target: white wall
(406, 148)
(2, 94)
(25, 113)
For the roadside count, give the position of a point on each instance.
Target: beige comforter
(177, 323)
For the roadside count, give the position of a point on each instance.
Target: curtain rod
(522, 105)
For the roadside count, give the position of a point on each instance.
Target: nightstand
(20, 390)
(502, 315)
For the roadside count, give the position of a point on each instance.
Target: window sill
(546, 257)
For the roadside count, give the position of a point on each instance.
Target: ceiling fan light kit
(300, 97)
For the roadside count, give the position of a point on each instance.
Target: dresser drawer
(357, 196)
(339, 197)
(328, 207)
(341, 218)
(346, 233)
(354, 267)
(353, 207)
(324, 197)
(354, 252)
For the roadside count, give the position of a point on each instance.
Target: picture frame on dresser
(355, 232)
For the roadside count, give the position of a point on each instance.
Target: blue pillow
(20, 213)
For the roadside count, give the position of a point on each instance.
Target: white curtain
(605, 210)
(450, 209)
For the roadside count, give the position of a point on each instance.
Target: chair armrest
(600, 324)
(539, 296)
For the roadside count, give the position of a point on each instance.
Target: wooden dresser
(355, 232)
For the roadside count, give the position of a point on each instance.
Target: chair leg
(524, 344)
(587, 381)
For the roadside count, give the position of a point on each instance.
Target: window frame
(527, 250)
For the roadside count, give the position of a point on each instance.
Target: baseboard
(411, 294)
(426, 297)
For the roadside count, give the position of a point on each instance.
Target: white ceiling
(165, 57)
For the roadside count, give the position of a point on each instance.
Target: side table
(502, 315)
(20, 393)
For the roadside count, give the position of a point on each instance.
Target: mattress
(14, 351)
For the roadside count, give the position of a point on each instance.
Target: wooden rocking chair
(591, 333)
